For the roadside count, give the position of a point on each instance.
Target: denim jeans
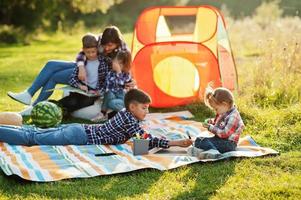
(222, 145)
(67, 134)
(114, 101)
(53, 72)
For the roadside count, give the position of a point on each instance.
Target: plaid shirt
(118, 130)
(116, 82)
(228, 125)
(81, 58)
(103, 70)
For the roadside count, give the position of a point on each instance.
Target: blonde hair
(218, 96)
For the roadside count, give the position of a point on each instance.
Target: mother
(59, 72)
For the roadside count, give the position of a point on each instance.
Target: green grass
(270, 177)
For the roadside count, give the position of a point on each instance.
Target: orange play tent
(177, 51)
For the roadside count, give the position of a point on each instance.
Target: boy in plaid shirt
(125, 124)
(120, 128)
(226, 126)
(96, 70)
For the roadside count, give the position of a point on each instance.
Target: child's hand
(95, 92)
(205, 125)
(83, 87)
(82, 74)
(130, 85)
(116, 67)
(181, 143)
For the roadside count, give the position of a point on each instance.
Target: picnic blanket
(51, 163)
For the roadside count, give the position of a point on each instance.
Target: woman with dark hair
(59, 72)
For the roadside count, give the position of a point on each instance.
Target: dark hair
(111, 34)
(136, 96)
(89, 41)
(125, 58)
(218, 96)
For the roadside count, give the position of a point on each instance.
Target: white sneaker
(210, 154)
(22, 97)
(100, 117)
(26, 111)
(193, 151)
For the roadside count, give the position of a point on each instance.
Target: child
(117, 130)
(226, 127)
(115, 85)
(96, 69)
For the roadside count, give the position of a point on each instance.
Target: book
(67, 89)
(174, 150)
(154, 150)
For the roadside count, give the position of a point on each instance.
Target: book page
(69, 88)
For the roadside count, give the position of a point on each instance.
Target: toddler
(226, 126)
(115, 82)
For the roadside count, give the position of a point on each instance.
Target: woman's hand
(82, 74)
(130, 85)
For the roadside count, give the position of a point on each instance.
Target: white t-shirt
(92, 73)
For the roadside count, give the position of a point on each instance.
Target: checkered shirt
(228, 125)
(103, 70)
(116, 82)
(118, 130)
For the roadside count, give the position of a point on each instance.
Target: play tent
(177, 51)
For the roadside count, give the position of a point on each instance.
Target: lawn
(270, 111)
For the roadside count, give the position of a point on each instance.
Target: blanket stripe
(52, 163)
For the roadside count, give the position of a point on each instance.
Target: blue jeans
(114, 101)
(222, 145)
(53, 72)
(67, 134)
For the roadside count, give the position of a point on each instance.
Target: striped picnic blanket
(52, 163)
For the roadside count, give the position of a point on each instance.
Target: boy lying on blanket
(117, 130)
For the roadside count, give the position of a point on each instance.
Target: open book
(154, 150)
(67, 89)
(174, 150)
